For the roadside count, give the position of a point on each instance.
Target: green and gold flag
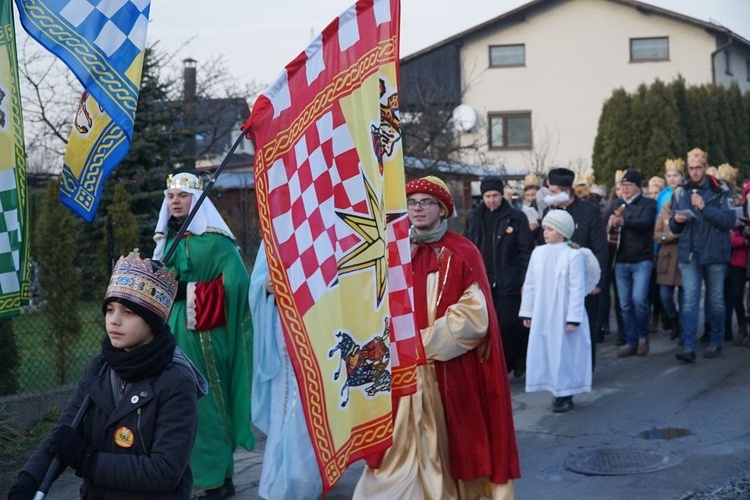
(14, 247)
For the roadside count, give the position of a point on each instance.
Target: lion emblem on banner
(366, 365)
(388, 133)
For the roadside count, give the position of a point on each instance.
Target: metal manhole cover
(620, 462)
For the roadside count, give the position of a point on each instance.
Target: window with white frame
(511, 130)
(649, 49)
(505, 56)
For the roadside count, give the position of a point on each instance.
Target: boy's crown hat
(727, 172)
(584, 179)
(674, 165)
(697, 156)
(532, 179)
(184, 180)
(619, 174)
(148, 291)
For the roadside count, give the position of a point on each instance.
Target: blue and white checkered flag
(102, 42)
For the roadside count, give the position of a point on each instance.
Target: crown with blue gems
(138, 281)
(184, 181)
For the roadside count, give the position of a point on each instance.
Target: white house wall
(577, 53)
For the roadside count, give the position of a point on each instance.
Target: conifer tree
(698, 113)
(56, 252)
(663, 133)
(613, 142)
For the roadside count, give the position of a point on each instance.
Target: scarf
(424, 261)
(142, 362)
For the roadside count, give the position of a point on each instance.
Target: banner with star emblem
(14, 241)
(103, 43)
(329, 180)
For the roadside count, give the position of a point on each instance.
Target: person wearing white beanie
(559, 277)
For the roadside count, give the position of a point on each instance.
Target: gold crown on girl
(619, 174)
(674, 165)
(584, 179)
(135, 279)
(532, 180)
(184, 181)
(727, 172)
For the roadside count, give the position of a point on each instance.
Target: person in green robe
(211, 322)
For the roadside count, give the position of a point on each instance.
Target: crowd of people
(527, 289)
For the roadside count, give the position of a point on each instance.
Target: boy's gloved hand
(74, 451)
(24, 488)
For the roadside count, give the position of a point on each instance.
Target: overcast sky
(259, 37)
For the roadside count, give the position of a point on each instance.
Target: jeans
(666, 294)
(693, 274)
(632, 286)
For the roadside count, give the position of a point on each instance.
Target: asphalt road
(634, 400)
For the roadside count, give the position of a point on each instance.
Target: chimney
(189, 79)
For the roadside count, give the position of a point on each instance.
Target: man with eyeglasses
(501, 232)
(462, 400)
(702, 216)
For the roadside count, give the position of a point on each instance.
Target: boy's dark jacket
(160, 411)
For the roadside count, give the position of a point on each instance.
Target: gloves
(24, 488)
(74, 451)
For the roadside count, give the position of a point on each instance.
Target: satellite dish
(464, 118)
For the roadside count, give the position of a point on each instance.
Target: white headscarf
(206, 219)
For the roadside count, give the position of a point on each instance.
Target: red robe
(480, 422)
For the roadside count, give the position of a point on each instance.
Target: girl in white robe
(558, 279)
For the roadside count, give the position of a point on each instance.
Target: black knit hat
(633, 176)
(154, 322)
(492, 184)
(561, 177)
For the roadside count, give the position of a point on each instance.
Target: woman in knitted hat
(559, 277)
(135, 438)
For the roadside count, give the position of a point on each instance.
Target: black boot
(741, 334)
(674, 328)
(728, 332)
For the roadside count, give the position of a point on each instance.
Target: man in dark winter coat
(502, 234)
(702, 216)
(589, 233)
(634, 215)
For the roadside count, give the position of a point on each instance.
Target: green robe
(223, 355)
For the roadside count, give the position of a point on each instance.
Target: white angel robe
(290, 470)
(553, 295)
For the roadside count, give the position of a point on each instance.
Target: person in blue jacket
(702, 216)
(135, 438)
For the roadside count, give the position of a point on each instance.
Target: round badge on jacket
(124, 437)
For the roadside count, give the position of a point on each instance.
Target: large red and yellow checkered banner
(329, 179)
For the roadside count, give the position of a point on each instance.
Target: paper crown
(184, 181)
(697, 156)
(674, 165)
(619, 174)
(134, 279)
(582, 179)
(726, 172)
(532, 180)
(598, 190)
